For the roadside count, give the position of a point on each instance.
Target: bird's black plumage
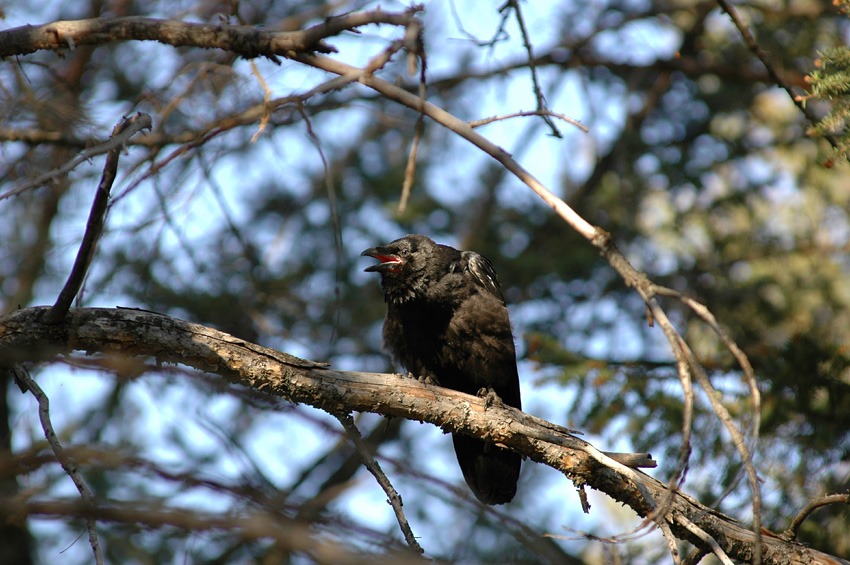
(447, 322)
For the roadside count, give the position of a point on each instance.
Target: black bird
(447, 323)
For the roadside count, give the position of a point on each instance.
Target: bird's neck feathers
(403, 290)
(430, 287)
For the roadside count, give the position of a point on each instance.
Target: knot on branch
(254, 43)
(601, 239)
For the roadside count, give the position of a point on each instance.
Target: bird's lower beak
(389, 263)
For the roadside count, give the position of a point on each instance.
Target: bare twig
(499, 35)
(410, 168)
(738, 440)
(332, 206)
(569, 120)
(791, 532)
(590, 232)
(375, 468)
(743, 362)
(741, 357)
(538, 92)
(267, 95)
(657, 314)
(710, 541)
(115, 143)
(94, 227)
(246, 41)
(671, 541)
(194, 140)
(68, 465)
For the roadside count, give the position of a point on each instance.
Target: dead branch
(375, 468)
(247, 41)
(68, 465)
(129, 332)
(569, 120)
(116, 142)
(791, 532)
(97, 215)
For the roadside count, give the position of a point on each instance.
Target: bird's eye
(404, 252)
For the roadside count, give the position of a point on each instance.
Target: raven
(447, 323)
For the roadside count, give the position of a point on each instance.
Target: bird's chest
(429, 325)
(423, 337)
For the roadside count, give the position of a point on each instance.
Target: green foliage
(831, 82)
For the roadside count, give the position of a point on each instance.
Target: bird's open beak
(389, 262)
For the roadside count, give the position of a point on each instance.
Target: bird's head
(404, 266)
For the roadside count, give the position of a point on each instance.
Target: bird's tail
(490, 471)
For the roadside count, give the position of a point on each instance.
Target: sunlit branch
(535, 82)
(672, 546)
(267, 95)
(710, 541)
(464, 130)
(569, 120)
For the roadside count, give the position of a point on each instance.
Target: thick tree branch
(246, 41)
(128, 332)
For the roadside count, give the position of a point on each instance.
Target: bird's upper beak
(389, 261)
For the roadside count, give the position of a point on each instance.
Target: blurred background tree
(696, 162)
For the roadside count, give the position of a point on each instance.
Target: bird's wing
(482, 272)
